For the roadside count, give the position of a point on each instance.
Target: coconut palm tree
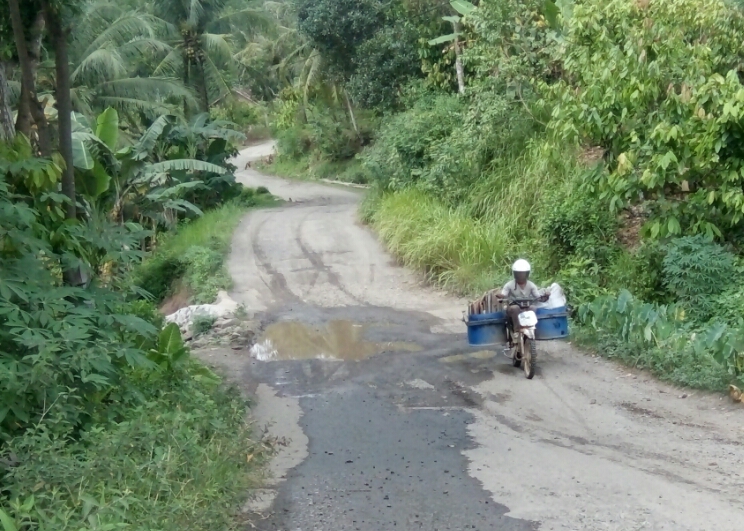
(113, 55)
(202, 53)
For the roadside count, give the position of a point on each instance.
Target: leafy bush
(294, 142)
(658, 338)
(657, 85)
(640, 271)
(59, 345)
(575, 223)
(334, 141)
(146, 310)
(205, 274)
(728, 306)
(696, 270)
(176, 461)
(239, 112)
(158, 275)
(202, 324)
(402, 152)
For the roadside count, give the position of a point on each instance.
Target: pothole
(340, 340)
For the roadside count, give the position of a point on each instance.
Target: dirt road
(396, 424)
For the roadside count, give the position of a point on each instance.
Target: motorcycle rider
(520, 288)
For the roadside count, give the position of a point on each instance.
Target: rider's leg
(512, 316)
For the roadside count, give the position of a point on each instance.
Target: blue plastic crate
(551, 324)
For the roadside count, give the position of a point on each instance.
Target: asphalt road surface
(393, 423)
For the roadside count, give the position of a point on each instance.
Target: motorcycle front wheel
(529, 358)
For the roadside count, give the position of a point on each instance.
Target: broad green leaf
(184, 165)
(28, 504)
(93, 183)
(443, 39)
(81, 156)
(462, 6)
(451, 20)
(7, 522)
(170, 341)
(107, 127)
(551, 12)
(147, 141)
(673, 226)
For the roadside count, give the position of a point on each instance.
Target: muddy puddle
(338, 340)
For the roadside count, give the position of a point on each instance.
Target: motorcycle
(522, 347)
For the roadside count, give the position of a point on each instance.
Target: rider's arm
(506, 291)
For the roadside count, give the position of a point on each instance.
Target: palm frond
(217, 83)
(126, 105)
(195, 12)
(256, 19)
(170, 65)
(103, 64)
(184, 165)
(217, 47)
(138, 47)
(128, 27)
(152, 92)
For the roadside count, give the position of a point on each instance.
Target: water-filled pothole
(340, 340)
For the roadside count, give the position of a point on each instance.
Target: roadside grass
(195, 252)
(305, 168)
(449, 247)
(182, 460)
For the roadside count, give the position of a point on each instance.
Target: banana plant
(140, 177)
(464, 8)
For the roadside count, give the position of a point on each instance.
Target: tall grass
(509, 195)
(214, 230)
(469, 248)
(181, 461)
(450, 247)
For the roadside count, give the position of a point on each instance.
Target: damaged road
(394, 423)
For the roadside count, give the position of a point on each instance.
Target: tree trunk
(351, 113)
(29, 108)
(458, 61)
(202, 88)
(64, 104)
(7, 129)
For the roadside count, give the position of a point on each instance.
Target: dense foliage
(120, 143)
(598, 139)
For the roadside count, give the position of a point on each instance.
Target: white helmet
(521, 266)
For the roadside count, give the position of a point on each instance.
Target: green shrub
(202, 324)
(148, 311)
(157, 275)
(205, 274)
(640, 271)
(402, 152)
(294, 142)
(334, 141)
(728, 306)
(696, 270)
(175, 462)
(576, 223)
(663, 339)
(262, 190)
